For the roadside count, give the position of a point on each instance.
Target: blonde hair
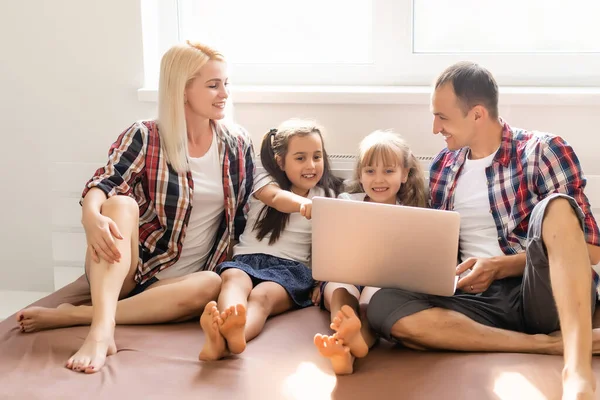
(178, 67)
(389, 147)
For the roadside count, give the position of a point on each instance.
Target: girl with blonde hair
(386, 172)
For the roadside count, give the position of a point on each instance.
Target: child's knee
(233, 275)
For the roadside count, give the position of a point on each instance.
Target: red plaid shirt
(137, 167)
(527, 167)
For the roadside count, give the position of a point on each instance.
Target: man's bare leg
(441, 329)
(570, 276)
(169, 300)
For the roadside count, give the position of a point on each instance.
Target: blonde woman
(162, 213)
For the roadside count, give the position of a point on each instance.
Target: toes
(20, 316)
(330, 341)
(318, 340)
(84, 364)
(94, 366)
(27, 326)
(240, 310)
(210, 306)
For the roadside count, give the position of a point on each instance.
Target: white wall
(68, 79)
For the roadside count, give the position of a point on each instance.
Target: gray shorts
(523, 304)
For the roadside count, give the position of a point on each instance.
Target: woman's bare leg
(169, 300)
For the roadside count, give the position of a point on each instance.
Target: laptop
(388, 246)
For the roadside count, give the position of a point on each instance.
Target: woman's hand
(100, 233)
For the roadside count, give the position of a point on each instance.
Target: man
(526, 242)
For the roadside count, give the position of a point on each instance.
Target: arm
(484, 271)
(282, 200)
(92, 203)
(126, 162)
(559, 171)
(509, 266)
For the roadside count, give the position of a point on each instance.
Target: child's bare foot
(234, 324)
(214, 346)
(35, 319)
(347, 325)
(577, 386)
(91, 356)
(339, 355)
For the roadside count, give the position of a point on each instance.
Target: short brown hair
(473, 85)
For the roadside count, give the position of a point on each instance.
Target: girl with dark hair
(269, 273)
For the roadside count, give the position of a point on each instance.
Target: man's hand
(483, 273)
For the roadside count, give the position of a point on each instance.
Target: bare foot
(214, 346)
(339, 355)
(232, 329)
(578, 386)
(347, 325)
(91, 356)
(35, 319)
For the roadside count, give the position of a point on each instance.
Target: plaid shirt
(527, 167)
(137, 167)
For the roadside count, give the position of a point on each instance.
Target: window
(383, 42)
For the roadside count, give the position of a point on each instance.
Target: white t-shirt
(207, 209)
(294, 242)
(478, 233)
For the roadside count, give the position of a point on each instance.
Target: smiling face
(382, 175)
(449, 119)
(303, 162)
(206, 94)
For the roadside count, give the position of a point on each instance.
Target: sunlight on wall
(513, 385)
(309, 382)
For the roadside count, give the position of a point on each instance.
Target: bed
(160, 361)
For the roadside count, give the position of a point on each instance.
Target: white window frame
(395, 77)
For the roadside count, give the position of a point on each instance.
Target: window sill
(415, 95)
